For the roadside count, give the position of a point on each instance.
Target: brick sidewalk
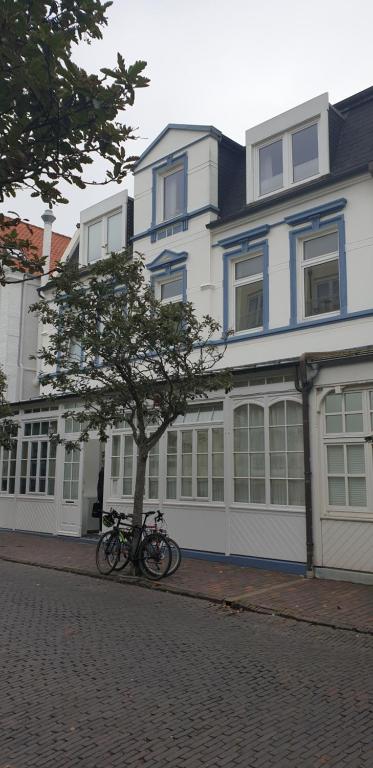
(333, 603)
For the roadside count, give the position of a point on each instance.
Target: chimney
(48, 219)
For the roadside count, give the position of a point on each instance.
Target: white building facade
(275, 240)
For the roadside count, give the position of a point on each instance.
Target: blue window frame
(170, 193)
(246, 289)
(169, 275)
(318, 281)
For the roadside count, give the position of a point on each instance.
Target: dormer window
(173, 194)
(271, 167)
(305, 153)
(104, 236)
(114, 232)
(288, 160)
(288, 150)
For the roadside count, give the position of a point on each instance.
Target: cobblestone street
(103, 675)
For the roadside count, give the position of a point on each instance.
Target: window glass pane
(371, 400)
(278, 464)
(172, 442)
(357, 492)
(257, 491)
(217, 489)
(295, 438)
(305, 153)
(270, 167)
(217, 440)
(241, 464)
(171, 489)
(337, 494)
(171, 289)
(334, 424)
(173, 190)
(296, 493)
(295, 464)
(354, 422)
(36, 428)
(256, 416)
(249, 306)
(278, 492)
(241, 440)
(333, 403)
(277, 414)
(321, 288)
(114, 232)
(335, 459)
(256, 439)
(241, 490)
(353, 401)
(241, 416)
(186, 486)
(257, 467)
(293, 412)
(248, 267)
(320, 246)
(277, 439)
(217, 464)
(187, 441)
(94, 241)
(355, 460)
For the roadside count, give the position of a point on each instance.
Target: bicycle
(175, 549)
(150, 551)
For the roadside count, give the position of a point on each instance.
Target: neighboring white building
(275, 240)
(19, 328)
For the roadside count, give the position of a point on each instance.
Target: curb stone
(233, 604)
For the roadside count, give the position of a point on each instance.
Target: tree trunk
(138, 500)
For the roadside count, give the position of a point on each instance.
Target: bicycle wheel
(107, 552)
(154, 556)
(124, 551)
(175, 556)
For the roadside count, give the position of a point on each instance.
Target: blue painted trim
(167, 257)
(317, 226)
(210, 130)
(227, 259)
(250, 234)
(181, 218)
(286, 566)
(170, 271)
(292, 329)
(319, 210)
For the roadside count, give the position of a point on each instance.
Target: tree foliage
(54, 116)
(139, 362)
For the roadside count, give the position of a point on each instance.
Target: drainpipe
(304, 385)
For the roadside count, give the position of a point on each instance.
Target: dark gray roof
(351, 150)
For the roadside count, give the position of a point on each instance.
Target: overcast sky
(229, 64)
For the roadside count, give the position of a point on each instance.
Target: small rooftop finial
(48, 216)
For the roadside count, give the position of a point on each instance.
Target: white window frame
(287, 159)
(161, 175)
(303, 264)
(345, 438)
(179, 298)
(236, 283)
(104, 220)
(11, 458)
(265, 403)
(29, 439)
(120, 495)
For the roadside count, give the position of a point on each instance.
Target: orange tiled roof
(35, 236)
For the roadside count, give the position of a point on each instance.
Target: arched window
(286, 453)
(249, 455)
(268, 454)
